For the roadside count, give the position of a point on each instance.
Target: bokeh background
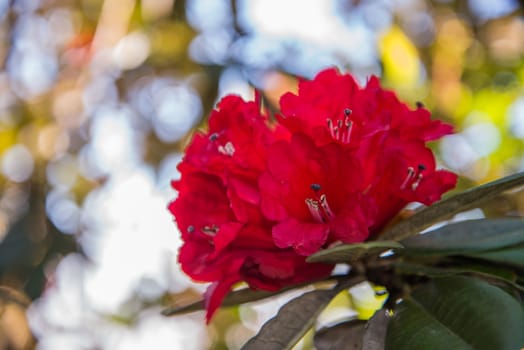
(99, 97)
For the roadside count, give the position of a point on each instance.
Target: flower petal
(305, 238)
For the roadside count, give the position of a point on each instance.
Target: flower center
(318, 206)
(341, 131)
(227, 149)
(413, 178)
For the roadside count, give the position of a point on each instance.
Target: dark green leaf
(294, 319)
(466, 236)
(448, 207)
(457, 313)
(352, 252)
(412, 327)
(345, 335)
(513, 255)
(500, 277)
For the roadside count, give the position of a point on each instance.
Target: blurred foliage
(65, 60)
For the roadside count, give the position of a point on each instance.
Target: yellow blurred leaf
(7, 139)
(400, 58)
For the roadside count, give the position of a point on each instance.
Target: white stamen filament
(314, 209)
(411, 173)
(415, 184)
(349, 127)
(325, 206)
(342, 130)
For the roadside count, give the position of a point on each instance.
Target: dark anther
(419, 104)
(213, 136)
(381, 292)
(315, 187)
(190, 229)
(347, 112)
(421, 167)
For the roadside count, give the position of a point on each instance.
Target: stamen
(349, 128)
(314, 209)
(417, 182)
(421, 167)
(419, 104)
(190, 229)
(331, 128)
(213, 137)
(228, 149)
(409, 177)
(341, 130)
(210, 230)
(327, 210)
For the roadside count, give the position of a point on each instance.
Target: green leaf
(412, 327)
(345, 335)
(351, 252)
(448, 207)
(236, 297)
(467, 236)
(374, 336)
(491, 274)
(295, 318)
(233, 298)
(457, 313)
(513, 255)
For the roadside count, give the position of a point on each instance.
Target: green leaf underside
(294, 319)
(513, 255)
(355, 334)
(466, 236)
(343, 336)
(457, 313)
(446, 208)
(374, 337)
(352, 252)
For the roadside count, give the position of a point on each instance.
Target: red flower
(255, 198)
(226, 237)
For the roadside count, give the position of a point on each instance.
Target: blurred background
(99, 97)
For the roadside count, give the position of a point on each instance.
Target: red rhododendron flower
(256, 197)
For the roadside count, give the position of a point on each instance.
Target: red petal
(225, 235)
(431, 188)
(216, 293)
(305, 238)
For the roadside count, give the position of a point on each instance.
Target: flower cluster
(257, 196)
